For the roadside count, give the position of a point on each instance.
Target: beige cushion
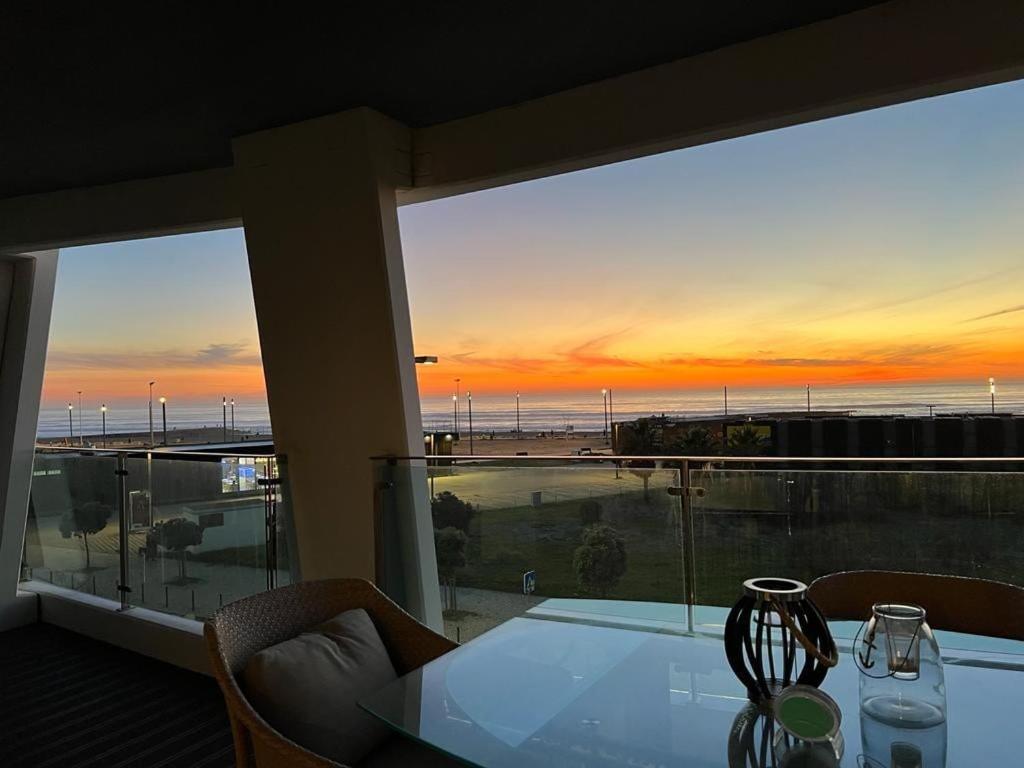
(307, 687)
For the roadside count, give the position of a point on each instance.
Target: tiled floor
(69, 701)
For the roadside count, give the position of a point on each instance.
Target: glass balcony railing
(667, 542)
(177, 532)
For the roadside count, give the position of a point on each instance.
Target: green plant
(449, 511)
(176, 535)
(600, 561)
(450, 545)
(697, 441)
(641, 439)
(83, 522)
(590, 512)
(747, 441)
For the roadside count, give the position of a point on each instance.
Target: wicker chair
(240, 629)
(954, 603)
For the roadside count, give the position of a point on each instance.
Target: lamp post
(611, 414)
(808, 398)
(81, 433)
(725, 398)
(151, 412)
(469, 400)
(233, 438)
(163, 409)
(455, 399)
(71, 424)
(519, 432)
(103, 416)
(604, 402)
(224, 408)
(992, 392)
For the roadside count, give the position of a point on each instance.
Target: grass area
(505, 543)
(251, 556)
(796, 524)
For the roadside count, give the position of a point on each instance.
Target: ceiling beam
(886, 54)
(166, 205)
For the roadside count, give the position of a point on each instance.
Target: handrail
(722, 459)
(152, 451)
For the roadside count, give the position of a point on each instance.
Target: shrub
(449, 511)
(600, 561)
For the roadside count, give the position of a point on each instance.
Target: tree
(83, 522)
(600, 561)
(641, 439)
(449, 511)
(747, 441)
(177, 535)
(450, 545)
(590, 512)
(697, 441)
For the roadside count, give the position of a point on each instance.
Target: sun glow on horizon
(883, 246)
(880, 247)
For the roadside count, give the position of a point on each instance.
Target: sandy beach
(189, 436)
(532, 445)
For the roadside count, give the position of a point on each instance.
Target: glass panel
(808, 523)
(199, 532)
(593, 531)
(543, 693)
(72, 532)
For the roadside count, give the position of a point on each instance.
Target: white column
(26, 298)
(321, 228)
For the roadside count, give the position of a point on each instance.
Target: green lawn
(505, 543)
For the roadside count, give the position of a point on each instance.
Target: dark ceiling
(91, 94)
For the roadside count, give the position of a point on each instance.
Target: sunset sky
(883, 246)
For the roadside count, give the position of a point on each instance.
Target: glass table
(541, 692)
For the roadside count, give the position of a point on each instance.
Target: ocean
(546, 412)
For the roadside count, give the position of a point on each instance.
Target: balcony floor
(67, 700)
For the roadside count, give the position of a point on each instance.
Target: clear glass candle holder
(901, 679)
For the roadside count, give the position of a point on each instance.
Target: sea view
(546, 412)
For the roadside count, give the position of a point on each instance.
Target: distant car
(584, 452)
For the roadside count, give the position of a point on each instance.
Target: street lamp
(469, 399)
(611, 416)
(163, 408)
(992, 392)
(103, 415)
(71, 424)
(233, 419)
(725, 398)
(151, 412)
(224, 408)
(808, 398)
(604, 402)
(519, 432)
(81, 433)
(455, 399)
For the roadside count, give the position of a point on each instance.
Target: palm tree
(698, 441)
(747, 441)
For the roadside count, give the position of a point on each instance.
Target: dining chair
(242, 628)
(953, 603)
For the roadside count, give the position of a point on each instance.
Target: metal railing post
(270, 482)
(689, 555)
(123, 586)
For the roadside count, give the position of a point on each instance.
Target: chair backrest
(241, 629)
(953, 603)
